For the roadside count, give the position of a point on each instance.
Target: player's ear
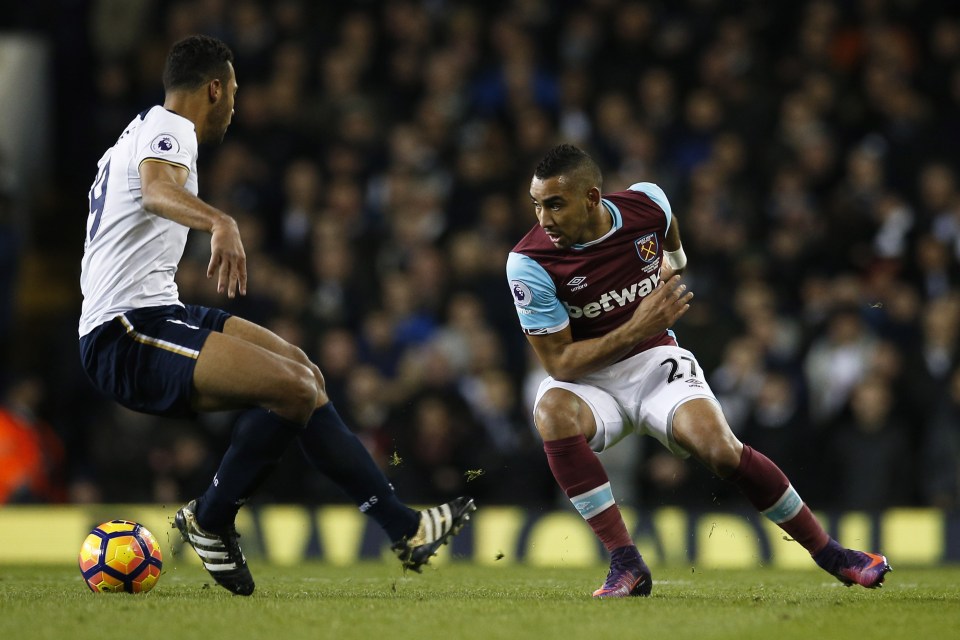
(593, 196)
(214, 90)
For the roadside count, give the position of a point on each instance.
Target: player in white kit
(143, 347)
(596, 287)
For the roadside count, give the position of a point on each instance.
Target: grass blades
(465, 601)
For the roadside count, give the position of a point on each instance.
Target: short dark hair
(565, 159)
(195, 61)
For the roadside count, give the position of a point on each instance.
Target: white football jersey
(130, 256)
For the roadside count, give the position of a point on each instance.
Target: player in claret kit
(596, 284)
(147, 350)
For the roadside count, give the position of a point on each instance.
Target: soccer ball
(120, 556)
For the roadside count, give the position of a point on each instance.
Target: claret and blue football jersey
(596, 286)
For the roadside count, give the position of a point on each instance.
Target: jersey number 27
(676, 368)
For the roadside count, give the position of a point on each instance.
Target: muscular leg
(248, 365)
(337, 453)
(280, 394)
(330, 446)
(567, 424)
(700, 428)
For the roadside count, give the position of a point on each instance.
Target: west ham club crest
(647, 247)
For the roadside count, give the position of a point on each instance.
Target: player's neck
(187, 105)
(603, 222)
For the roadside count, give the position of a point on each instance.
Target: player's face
(222, 112)
(566, 209)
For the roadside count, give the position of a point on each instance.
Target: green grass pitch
(374, 600)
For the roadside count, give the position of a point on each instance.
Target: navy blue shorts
(144, 359)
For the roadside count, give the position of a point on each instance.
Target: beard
(217, 122)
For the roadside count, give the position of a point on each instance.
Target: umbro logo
(577, 283)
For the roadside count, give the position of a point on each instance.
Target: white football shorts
(639, 395)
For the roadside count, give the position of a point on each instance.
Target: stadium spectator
(31, 453)
(940, 452)
(929, 364)
(836, 362)
(878, 475)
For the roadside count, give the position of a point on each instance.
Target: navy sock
(339, 454)
(258, 441)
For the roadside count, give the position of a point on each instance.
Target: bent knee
(721, 455)
(297, 355)
(301, 392)
(700, 428)
(563, 414)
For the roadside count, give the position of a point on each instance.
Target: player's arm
(566, 359)
(674, 259)
(164, 194)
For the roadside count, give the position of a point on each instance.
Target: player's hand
(662, 308)
(228, 260)
(667, 272)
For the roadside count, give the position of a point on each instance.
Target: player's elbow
(152, 196)
(563, 373)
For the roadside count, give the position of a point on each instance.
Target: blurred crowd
(378, 165)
